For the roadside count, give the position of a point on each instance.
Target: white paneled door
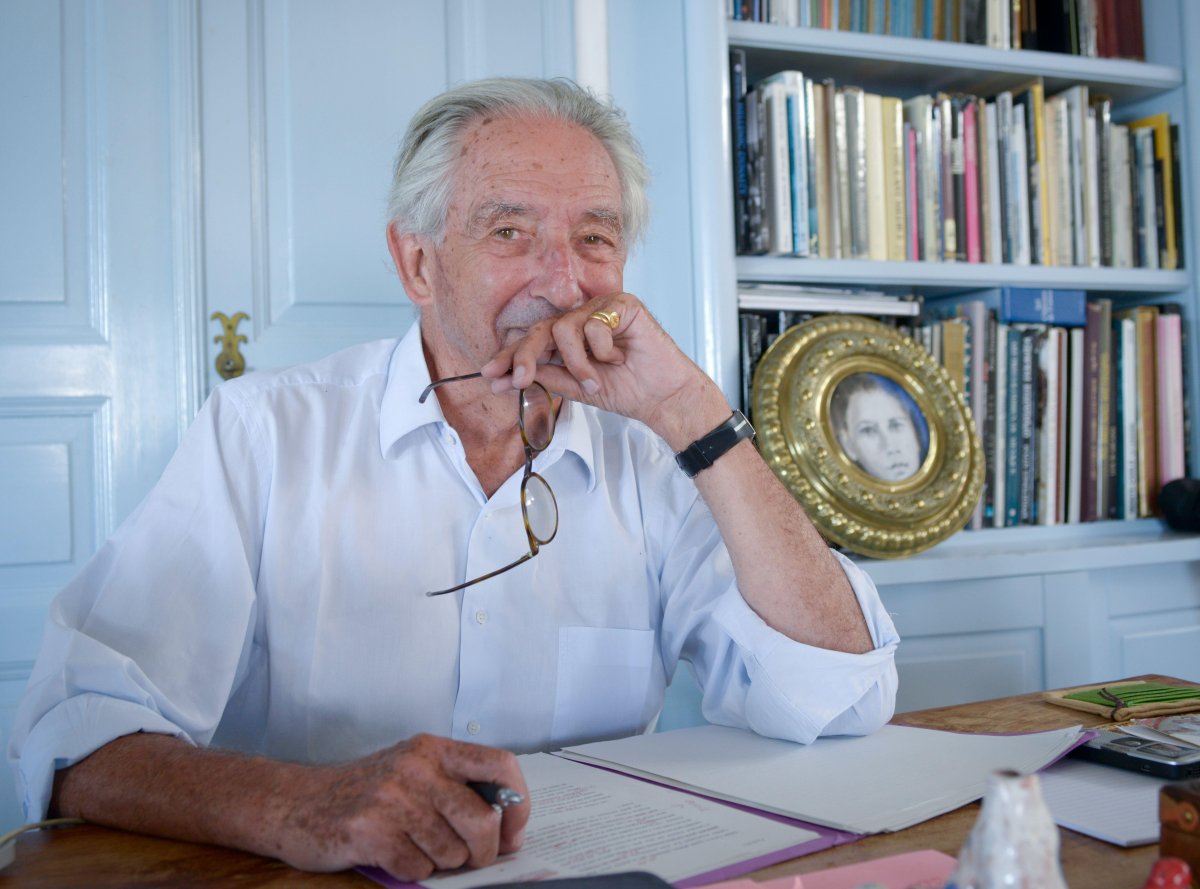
(161, 161)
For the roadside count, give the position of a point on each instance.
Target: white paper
(588, 821)
(1111, 804)
(892, 779)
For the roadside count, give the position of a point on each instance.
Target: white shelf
(1038, 550)
(948, 276)
(928, 66)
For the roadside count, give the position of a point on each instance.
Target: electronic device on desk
(1151, 757)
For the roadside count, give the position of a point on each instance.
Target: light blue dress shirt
(269, 593)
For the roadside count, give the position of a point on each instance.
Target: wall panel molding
(83, 425)
(71, 305)
(187, 203)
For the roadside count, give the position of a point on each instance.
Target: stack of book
(822, 170)
(1079, 405)
(1098, 28)
(767, 310)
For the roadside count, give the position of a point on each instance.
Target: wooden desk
(95, 856)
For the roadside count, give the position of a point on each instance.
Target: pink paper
(927, 869)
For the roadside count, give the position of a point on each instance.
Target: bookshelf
(992, 611)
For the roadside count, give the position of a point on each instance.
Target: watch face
(869, 433)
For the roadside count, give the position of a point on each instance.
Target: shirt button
(481, 617)
(473, 727)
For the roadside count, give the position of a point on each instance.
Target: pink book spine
(1169, 348)
(914, 216)
(971, 173)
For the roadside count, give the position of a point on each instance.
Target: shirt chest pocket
(610, 683)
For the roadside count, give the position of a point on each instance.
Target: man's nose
(557, 279)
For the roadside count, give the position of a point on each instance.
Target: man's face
(533, 230)
(879, 436)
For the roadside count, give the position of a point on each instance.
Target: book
(990, 196)
(1145, 199)
(1162, 148)
(792, 154)
(875, 192)
(953, 355)
(1106, 419)
(918, 113)
(1030, 410)
(1091, 191)
(840, 152)
(998, 464)
(1078, 105)
(1172, 463)
(854, 100)
(1090, 500)
(1031, 98)
(1057, 162)
(741, 168)
(971, 221)
(1012, 428)
(1102, 109)
(1121, 200)
(1125, 343)
(1047, 481)
(891, 111)
(772, 98)
(827, 235)
(1026, 305)
(810, 152)
(1146, 327)
(1023, 210)
(802, 298)
(1007, 188)
(1075, 452)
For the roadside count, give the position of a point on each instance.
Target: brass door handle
(230, 362)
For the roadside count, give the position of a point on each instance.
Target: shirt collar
(400, 413)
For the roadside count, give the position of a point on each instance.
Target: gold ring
(611, 319)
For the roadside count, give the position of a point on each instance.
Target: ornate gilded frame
(793, 387)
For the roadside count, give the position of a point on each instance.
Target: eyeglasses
(536, 418)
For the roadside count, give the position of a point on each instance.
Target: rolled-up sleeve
(752, 676)
(155, 632)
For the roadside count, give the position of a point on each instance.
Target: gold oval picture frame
(869, 433)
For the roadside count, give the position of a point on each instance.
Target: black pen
(496, 795)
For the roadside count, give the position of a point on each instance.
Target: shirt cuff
(72, 731)
(857, 691)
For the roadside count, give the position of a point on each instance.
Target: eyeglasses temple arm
(425, 392)
(462, 586)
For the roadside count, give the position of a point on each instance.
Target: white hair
(424, 171)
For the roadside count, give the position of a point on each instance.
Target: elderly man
(364, 582)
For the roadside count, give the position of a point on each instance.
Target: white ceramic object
(1014, 843)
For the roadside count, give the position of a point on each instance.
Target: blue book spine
(1029, 305)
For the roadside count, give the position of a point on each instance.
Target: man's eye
(596, 241)
(506, 234)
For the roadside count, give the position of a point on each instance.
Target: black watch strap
(704, 451)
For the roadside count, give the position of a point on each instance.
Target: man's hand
(406, 809)
(634, 369)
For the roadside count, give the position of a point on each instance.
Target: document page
(892, 779)
(1111, 804)
(589, 821)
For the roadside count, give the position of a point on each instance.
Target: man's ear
(412, 257)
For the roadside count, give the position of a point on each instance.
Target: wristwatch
(704, 451)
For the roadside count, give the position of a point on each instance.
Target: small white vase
(1014, 843)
